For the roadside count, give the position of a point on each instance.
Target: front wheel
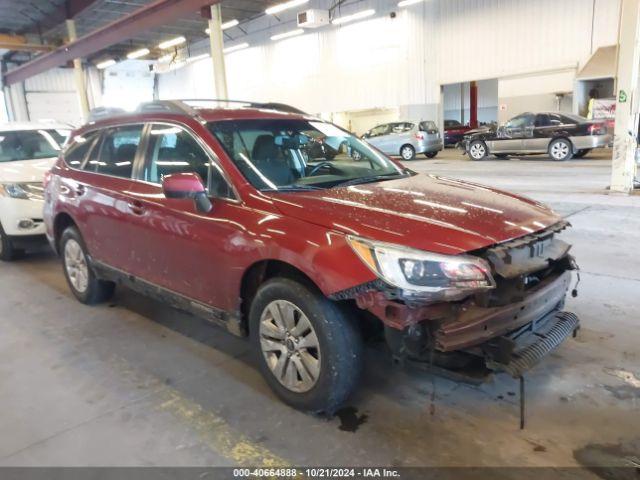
(309, 350)
(431, 154)
(407, 152)
(478, 150)
(82, 281)
(561, 150)
(7, 251)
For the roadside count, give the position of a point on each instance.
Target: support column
(473, 105)
(628, 103)
(216, 41)
(78, 73)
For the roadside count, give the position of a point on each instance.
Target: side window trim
(214, 163)
(97, 145)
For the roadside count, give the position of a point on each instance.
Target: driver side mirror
(187, 186)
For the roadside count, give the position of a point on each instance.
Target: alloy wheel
(477, 151)
(560, 150)
(407, 153)
(290, 346)
(75, 264)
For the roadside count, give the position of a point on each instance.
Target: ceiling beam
(152, 15)
(19, 43)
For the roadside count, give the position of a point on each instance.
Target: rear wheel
(407, 152)
(561, 150)
(7, 250)
(309, 351)
(431, 154)
(82, 281)
(478, 150)
(581, 153)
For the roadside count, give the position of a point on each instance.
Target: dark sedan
(454, 131)
(560, 135)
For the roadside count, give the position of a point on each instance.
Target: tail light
(419, 136)
(597, 129)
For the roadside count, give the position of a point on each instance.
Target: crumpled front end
(521, 317)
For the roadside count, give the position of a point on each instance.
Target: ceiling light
(138, 53)
(284, 6)
(235, 48)
(172, 43)
(198, 57)
(229, 24)
(355, 16)
(292, 33)
(225, 26)
(406, 3)
(106, 63)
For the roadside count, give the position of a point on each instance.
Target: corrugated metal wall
(386, 62)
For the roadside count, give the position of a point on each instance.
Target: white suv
(27, 152)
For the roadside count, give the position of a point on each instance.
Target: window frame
(71, 143)
(100, 144)
(141, 163)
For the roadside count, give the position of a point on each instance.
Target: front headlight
(13, 190)
(422, 274)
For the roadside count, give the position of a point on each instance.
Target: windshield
(31, 144)
(276, 154)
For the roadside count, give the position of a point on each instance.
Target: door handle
(136, 207)
(81, 190)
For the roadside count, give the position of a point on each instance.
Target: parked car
(217, 212)
(560, 135)
(454, 132)
(406, 139)
(27, 151)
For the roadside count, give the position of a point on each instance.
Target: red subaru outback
(238, 215)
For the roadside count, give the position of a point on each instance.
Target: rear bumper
(430, 146)
(586, 142)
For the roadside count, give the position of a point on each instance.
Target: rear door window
(76, 152)
(117, 152)
(428, 126)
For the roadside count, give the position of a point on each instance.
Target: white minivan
(27, 152)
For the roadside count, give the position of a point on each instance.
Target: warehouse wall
(52, 96)
(401, 62)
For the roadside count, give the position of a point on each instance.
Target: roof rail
(189, 104)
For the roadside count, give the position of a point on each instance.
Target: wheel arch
(261, 271)
(61, 222)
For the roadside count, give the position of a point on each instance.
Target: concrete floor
(136, 383)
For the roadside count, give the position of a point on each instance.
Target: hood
(426, 212)
(24, 171)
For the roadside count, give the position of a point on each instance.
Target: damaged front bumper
(508, 329)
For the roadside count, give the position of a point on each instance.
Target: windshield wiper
(375, 178)
(292, 188)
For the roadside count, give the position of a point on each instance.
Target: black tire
(7, 251)
(339, 349)
(431, 154)
(560, 150)
(478, 150)
(501, 156)
(407, 152)
(581, 153)
(96, 290)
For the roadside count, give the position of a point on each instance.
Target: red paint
(131, 225)
(473, 105)
(182, 183)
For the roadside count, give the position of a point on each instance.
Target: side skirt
(228, 320)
